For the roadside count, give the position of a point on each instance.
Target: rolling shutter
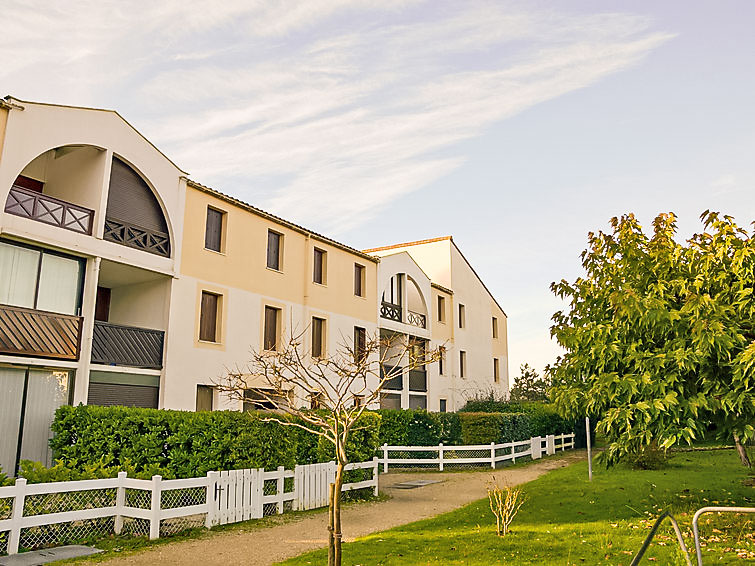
(131, 200)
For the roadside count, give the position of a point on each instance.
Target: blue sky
(517, 127)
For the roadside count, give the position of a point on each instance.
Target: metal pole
(589, 449)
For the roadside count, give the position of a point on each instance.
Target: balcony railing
(416, 319)
(31, 332)
(417, 380)
(118, 345)
(134, 236)
(390, 311)
(50, 210)
(395, 383)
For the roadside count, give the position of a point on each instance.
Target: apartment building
(124, 282)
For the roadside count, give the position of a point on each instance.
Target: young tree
(660, 336)
(529, 386)
(345, 384)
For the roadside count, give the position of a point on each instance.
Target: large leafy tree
(660, 335)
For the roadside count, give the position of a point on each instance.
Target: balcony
(119, 345)
(417, 380)
(31, 332)
(390, 311)
(416, 319)
(49, 210)
(133, 236)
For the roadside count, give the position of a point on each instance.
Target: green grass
(567, 520)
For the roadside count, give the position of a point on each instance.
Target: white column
(91, 279)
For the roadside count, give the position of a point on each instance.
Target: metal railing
(49, 210)
(119, 345)
(391, 311)
(39, 333)
(134, 236)
(416, 319)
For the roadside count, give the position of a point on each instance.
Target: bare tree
(291, 381)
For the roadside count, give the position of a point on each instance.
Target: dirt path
(297, 534)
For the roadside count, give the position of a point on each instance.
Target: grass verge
(567, 520)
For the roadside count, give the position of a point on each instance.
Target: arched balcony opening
(391, 304)
(416, 309)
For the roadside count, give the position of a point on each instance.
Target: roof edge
(479, 278)
(407, 244)
(442, 288)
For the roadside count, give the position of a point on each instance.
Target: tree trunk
(331, 539)
(745, 459)
(337, 513)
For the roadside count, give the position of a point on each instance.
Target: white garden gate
(312, 481)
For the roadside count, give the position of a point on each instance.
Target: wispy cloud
(326, 111)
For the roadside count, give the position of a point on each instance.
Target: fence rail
(485, 454)
(160, 505)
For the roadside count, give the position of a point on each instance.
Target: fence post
(385, 458)
(212, 506)
(440, 457)
(550, 444)
(492, 455)
(513, 452)
(281, 488)
(375, 474)
(120, 502)
(154, 514)
(536, 446)
(14, 537)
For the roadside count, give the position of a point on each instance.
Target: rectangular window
(495, 327)
(318, 333)
(208, 317)
(442, 360)
(274, 250)
(213, 233)
(272, 323)
(320, 268)
(418, 402)
(360, 343)
(37, 279)
(462, 316)
(496, 371)
(441, 309)
(358, 280)
(390, 401)
(462, 364)
(260, 400)
(443, 405)
(204, 398)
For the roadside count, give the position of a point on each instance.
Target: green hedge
(178, 444)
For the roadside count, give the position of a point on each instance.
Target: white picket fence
(222, 497)
(487, 454)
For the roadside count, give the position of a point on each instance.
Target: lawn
(568, 521)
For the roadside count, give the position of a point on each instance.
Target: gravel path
(296, 534)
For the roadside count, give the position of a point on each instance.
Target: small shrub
(504, 503)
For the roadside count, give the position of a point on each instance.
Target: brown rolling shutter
(131, 200)
(273, 250)
(208, 317)
(204, 398)
(360, 343)
(214, 230)
(358, 280)
(271, 328)
(28, 183)
(102, 306)
(109, 394)
(319, 261)
(317, 332)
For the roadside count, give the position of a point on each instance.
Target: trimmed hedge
(179, 444)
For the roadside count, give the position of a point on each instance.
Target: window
(417, 401)
(359, 280)
(272, 323)
(496, 371)
(320, 268)
(390, 401)
(462, 316)
(360, 343)
(204, 398)
(442, 360)
(441, 309)
(443, 405)
(495, 327)
(274, 250)
(38, 279)
(208, 317)
(462, 364)
(213, 233)
(358, 400)
(259, 400)
(318, 332)
(316, 401)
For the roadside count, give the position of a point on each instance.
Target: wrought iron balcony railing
(390, 311)
(50, 210)
(134, 236)
(416, 319)
(118, 345)
(31, 332)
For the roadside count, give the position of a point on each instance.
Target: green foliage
(394, 426)
(92, 440)
(529, 386)
(362, 444)
(481, 428)
(659, 336)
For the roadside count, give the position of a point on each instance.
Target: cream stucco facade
(110, 258)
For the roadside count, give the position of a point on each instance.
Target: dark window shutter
(214, 230)
(109, 394)
(360, 343)
(208, 317)
(317, 336)
(358, 278)
(273, 250)
(319, 261)
(271, 328)
(204, 398)
(131, 200)
(102, 306)
(28, 183)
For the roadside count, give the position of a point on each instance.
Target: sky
(516, 127)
